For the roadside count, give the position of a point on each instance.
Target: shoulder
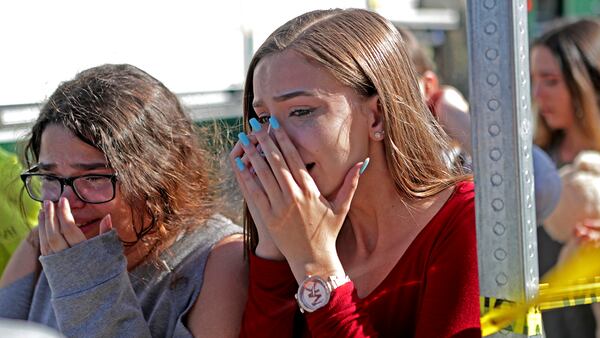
(457, 217)
(214, 240)
(219, 307)
(464, 190)
(461, 201)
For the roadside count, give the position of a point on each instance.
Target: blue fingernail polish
(274, 123)
(364, 166)
(244, 138)
(255, 124)
(240, 164)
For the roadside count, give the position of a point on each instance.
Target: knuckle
(277, 158)
(54, 241)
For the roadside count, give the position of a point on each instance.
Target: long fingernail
(244, 138)
(274, 123)
(364, 166)
(255, 124)
(240, 164)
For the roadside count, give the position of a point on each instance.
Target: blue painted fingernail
(255, 124)
(240, 164)
(244, 138)
(364, 166)
(274, 123)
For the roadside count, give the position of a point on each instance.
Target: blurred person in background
(565, 79)
(127, 239)
(445, 102)
(451, 110)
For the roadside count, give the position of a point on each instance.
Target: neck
(378, 215)
(139, 252)
(573, 143)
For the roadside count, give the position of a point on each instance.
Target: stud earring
(379, 135)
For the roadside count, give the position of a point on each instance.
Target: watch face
(313, 294)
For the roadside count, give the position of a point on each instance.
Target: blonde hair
(576, 47)
(364, 51)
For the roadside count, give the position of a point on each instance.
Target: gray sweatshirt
(86, 291)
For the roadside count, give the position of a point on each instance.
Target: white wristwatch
(314, 292)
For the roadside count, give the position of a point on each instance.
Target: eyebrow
(81, 166)
(287, 96)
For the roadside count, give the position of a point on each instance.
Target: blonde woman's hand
(303, 224)
(252, 190)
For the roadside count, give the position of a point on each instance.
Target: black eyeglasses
(94, 188)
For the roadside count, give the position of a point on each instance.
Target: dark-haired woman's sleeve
(271, 306)
(15, 299)
(91, 292)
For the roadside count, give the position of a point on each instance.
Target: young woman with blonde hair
(356, 224)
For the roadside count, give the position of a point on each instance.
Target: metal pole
(502, 140)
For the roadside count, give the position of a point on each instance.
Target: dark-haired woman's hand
(301, 221)
(57, 228)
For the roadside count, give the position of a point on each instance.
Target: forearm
(15, 299)
(271, 307)
(91, 292)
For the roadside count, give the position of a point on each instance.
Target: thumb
(343, 198)
(105, 224)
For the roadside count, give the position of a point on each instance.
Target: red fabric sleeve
(450, 304)
(271, 305)
(341, 317)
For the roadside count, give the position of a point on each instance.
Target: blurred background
(199, 49)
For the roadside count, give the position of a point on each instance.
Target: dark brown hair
(146, 138)
(576, 47)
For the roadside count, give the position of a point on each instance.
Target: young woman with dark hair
(128, 240)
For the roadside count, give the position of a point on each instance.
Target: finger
(55, 239)
(106, 224)
(276, 160)
(44, 249)
(341, 201)
(295, 164)
(71, 233)
(592, 224)
(262, 169)
(238, 149)
(251, 189)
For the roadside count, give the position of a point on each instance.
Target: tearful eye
(301, 112)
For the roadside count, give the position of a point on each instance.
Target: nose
(71, 196)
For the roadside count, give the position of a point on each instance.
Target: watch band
(314, 292)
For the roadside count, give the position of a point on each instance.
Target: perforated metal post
(502, 138)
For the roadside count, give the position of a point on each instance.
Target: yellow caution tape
(571, 283)
(499, 314)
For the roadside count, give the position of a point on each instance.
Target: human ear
(375, 118)
(431, 84)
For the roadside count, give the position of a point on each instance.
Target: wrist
(270, 252)
(324, 266)
(314, 292)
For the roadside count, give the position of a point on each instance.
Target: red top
(433, 290)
